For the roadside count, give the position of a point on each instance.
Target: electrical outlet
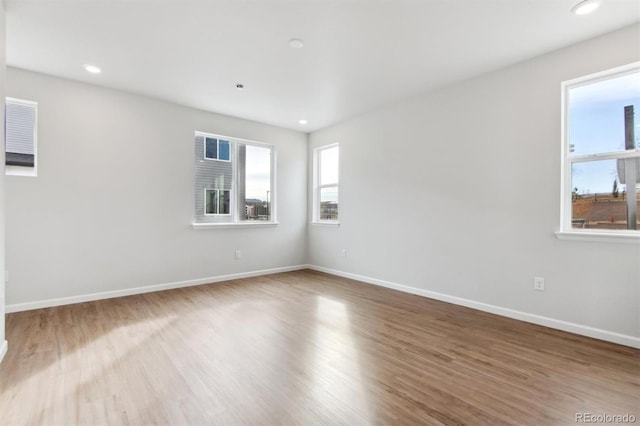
(343, 253)
(238, 254)
(538, 283)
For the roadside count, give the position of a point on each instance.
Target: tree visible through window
(602, 151)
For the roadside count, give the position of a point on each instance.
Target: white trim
(21, 170)
(602, 75)
(629, 153)
(273, 205)
(325, 224)
(231, 139)
(599, 237)
(3, 350)
(570, 327)
(245, 224)
(17, 307)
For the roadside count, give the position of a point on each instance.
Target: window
(216, 149)
(217, 201)
(21, 137)
(233, 180)
(325, 197)
(601, 152)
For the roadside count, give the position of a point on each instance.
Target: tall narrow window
(21, 137)
(601, 151)
(326, 186)
(233, 180)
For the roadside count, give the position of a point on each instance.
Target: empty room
(355, 212)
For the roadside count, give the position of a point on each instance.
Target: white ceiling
(358, 54)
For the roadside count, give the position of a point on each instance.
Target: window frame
(217, 198)
(217, 158)
(318, 187)
(235, 213)
(12, 170)
(566, 230)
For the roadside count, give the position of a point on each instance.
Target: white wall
(112, 205)
(458, 192)
(3, 67)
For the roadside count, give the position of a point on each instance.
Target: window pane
(596, 115)
(329, 165)
(598, 199)
(224, 202)
(329, 203)
(256, 180)
(211, 148)
(224, 151)
(210, 202)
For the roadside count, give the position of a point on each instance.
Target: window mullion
(605, 156)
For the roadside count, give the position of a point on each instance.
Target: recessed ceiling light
(296, 43)
(92, 69)
(303, 121)
(239, 86)
(585, 6)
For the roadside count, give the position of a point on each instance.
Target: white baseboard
(3, 350)
(583, 330)
(17, 307)
(498, 310)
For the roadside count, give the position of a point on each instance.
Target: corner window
(601, 152)
(238, 186)
(20, 139)
(326, 183)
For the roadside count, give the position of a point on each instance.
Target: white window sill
(599, 236)
(200, 226)
(20, 171)
(325, 224)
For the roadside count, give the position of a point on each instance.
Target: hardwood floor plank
(302, 348)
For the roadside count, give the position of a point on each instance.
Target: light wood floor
(302, 348)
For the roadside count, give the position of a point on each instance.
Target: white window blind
(20, 133)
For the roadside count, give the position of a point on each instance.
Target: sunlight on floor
(337, 375)
(53, 387)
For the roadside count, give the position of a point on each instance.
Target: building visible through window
(602, 151)
(233, 180)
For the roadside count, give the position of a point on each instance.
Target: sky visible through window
(596, 125)
(258, 172)
(329, 173)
